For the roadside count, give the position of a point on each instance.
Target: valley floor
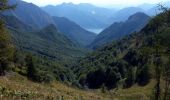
(16, 87)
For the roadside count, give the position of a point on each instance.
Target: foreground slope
(22, 88)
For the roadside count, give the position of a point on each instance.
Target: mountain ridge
(73, 31)
(120, 29)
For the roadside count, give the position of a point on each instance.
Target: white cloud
(96, 2)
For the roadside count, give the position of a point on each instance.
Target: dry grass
(18, 87)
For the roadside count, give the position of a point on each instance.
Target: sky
(103, 3)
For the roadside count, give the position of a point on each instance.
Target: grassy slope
(14, 87)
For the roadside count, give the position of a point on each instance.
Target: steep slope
(73, 31)
(30, 14)
(47, 41)
(14, 23)
(124, 14)
(118, 30)
(86, 15)
(35, 17)
(134, 55)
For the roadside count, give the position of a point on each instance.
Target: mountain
(73, 31)
(123, 14)
(48, 42)
(118, 30)
(86, 15)
(35, 17)
(30, 14)
(13, 23)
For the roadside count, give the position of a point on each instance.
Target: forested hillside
(130, 60)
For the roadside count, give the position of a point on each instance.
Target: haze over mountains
(73, 20)
(86, 15)
(94, 18)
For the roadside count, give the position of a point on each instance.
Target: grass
(137, 92)
(16, 87)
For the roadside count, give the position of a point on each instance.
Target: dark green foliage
(82, 80)
(6, 48)
(131, 57)
(31, 70)
(96, 79)
(111, 78)
(130, 79)
(5, 6)
(41, 69)
(143, 75)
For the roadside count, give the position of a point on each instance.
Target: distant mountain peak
(51, 27)
(29, 14)
(66, 4)
(138, 15)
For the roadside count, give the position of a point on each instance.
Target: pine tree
(6, 48)
(31, 70)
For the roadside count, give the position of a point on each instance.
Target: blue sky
(97, 2)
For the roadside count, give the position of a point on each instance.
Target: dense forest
(45, 56)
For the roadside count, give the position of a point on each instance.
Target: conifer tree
(6, 48)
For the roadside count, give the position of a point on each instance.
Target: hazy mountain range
(72, 20)
(91, 17)
(119, 30)
(86, 15)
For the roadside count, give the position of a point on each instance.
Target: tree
(143, 75)
(31, 70)
(130, 77)
(111, 78)
(96, 78)
(6, 48)
(5, 6)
